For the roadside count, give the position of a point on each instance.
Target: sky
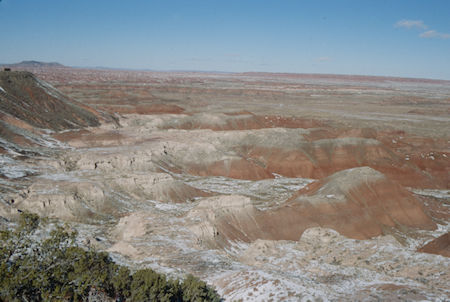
(408, 38)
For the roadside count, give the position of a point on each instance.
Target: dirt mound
(359, 203)
(439, 246)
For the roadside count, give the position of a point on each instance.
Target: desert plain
(270, 187)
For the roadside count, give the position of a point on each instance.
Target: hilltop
(33, 64)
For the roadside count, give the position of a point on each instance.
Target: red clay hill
(29, 105)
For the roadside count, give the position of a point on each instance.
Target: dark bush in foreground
(54, 268)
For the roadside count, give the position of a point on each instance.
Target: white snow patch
(445, 194)
(272, 191)
(170, 207)
(164, 206)
(13, 169)
(61, 177)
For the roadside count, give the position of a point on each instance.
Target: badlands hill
(270, 187)
(29, 105)
(359, 203)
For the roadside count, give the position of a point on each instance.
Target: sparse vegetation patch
(36, 265)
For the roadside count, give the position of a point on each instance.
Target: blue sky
(377, 37)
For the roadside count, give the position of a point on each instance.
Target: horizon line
(224, 72)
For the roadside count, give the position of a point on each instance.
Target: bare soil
(269, 186)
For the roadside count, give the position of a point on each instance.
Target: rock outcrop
(100, 198)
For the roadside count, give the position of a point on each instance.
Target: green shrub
(147, 285)
(56, 269)
(195, 289)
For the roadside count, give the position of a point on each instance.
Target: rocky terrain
(270, 187)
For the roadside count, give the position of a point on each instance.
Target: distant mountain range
(33, 64)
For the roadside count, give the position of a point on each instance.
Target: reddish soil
(28, 105)
(410, 160)
(361, 212)
(181, 193)
(365, 140)
(320, 160)
(70, 135)
(356, 78)
(249, 121)
(435, 208)
(367, 209)
(41, 106)
(8, 133)
(238, 169)
(143, 109)
(438, 246)
(85, 138)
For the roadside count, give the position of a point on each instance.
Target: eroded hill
(29, 107)
(270, 187)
